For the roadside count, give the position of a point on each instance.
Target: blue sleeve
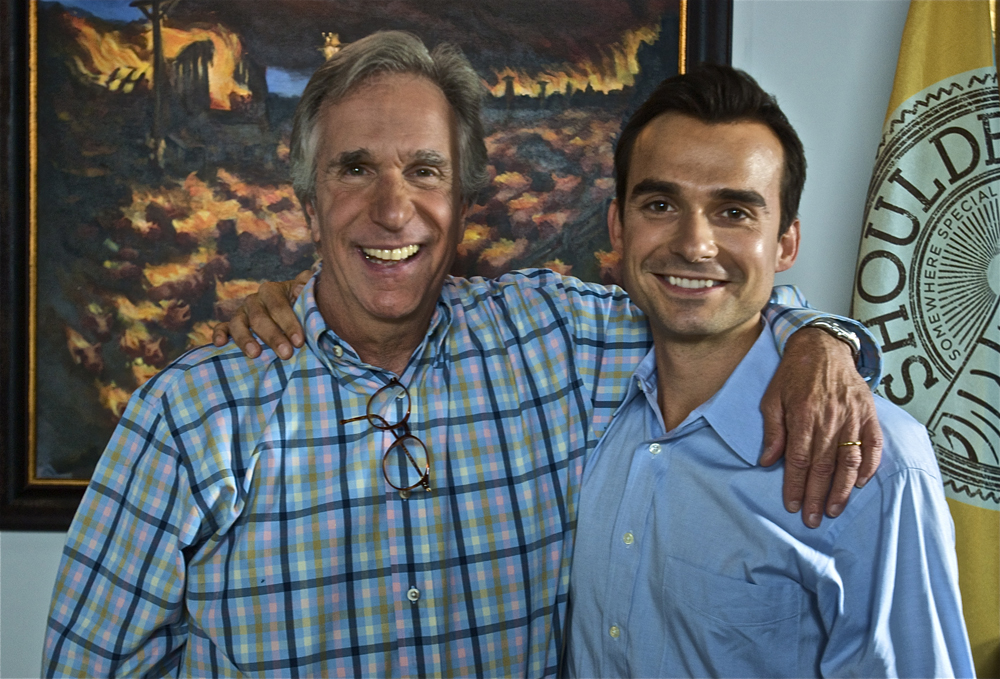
(788, 311)
(117, 605)
(893, 607)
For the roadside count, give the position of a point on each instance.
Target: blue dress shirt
(687, 564)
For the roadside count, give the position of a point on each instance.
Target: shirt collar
(323, 341)
(734, 411)
(644, 380)
(306, 309)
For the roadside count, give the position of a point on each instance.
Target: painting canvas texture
(159, 207)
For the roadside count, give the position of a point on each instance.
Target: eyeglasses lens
(389, 407)
(406, 463)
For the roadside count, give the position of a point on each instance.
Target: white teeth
(692, 282)
(393, 255)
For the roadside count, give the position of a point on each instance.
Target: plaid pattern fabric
(234, 527)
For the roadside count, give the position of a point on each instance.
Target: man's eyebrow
(647, 186)
(745, 196)
(350, 158)
(430, 157)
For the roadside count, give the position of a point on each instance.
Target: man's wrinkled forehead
(358, 90)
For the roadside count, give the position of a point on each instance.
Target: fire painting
(161, 172)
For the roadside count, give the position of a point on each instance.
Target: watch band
(833, 328)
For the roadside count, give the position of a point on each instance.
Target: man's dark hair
(713, 93)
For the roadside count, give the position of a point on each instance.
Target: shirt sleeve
(893, 607)
(117, 607)
(610, 339)
(603, 334)
(788, 311)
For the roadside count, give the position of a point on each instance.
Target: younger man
(686, 563)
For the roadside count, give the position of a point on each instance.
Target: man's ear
(615, 226)
(788, 248)
(463, 212)
(309, 208)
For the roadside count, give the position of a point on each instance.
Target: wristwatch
(838, 331)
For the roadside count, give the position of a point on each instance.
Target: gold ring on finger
(849, 443)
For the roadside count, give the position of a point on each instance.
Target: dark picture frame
(27, 500)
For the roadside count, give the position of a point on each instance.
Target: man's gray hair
(393, 52)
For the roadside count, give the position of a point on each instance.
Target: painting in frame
(146, 184)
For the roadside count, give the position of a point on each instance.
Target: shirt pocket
(721, 626)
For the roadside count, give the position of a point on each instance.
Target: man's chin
(689, 318)
(708, 328)
(392, 309)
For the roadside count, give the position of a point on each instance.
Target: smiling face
(386, 216)
(698, 233)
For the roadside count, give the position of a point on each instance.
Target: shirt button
(404, 494)
(614, 632)
(413, 594)
(654, 448)
(628, 538)
(338, 350)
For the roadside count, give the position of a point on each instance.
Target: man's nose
(392, 207)
(694, 239)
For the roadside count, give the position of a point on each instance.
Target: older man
(685, 562)
(398, 497)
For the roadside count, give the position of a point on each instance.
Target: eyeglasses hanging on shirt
(406, 463)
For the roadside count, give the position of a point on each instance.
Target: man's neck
(690, 372)
(386, 345)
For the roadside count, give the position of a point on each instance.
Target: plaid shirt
(234, 527)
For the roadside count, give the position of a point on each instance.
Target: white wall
(28, 564)
(830, 63)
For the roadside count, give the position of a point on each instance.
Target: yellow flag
(928, 276)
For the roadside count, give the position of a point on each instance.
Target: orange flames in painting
(111, 61)
(228, 54)
(617, 69)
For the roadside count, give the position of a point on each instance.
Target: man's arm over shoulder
(590, 331)
(534, 298)
(901, 611)
(118, 602)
